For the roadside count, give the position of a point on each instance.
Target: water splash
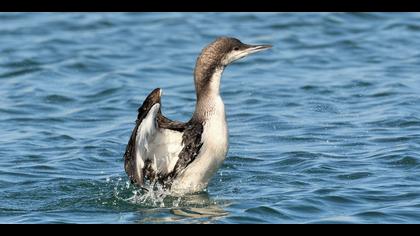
(121, 190)
(152, 195)
(154, 198)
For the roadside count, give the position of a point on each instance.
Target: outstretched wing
(144, 155)
(131, 164)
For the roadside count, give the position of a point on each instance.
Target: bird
(183, 156)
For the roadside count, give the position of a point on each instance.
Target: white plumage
(162, 146)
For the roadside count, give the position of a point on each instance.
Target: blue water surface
(324, 127)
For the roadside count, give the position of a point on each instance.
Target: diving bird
(184, 156)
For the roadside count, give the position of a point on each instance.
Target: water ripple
(324, 128)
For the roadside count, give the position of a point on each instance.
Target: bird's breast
(215, 132)
(212, 154)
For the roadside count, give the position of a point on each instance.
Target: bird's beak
(251, 49)
(245, 51)
(255, 48)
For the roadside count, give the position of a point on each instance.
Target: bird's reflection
(194, 208)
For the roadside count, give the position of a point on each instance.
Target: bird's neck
(207, 84)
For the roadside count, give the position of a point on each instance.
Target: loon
(184, 156)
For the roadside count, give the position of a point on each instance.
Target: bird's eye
(236, 48)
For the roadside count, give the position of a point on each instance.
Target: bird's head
(225, 50)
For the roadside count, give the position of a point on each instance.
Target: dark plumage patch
(165, 123)
(191, 139)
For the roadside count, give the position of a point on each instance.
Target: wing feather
(141, 162)
(192, 144)
(131, 164)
